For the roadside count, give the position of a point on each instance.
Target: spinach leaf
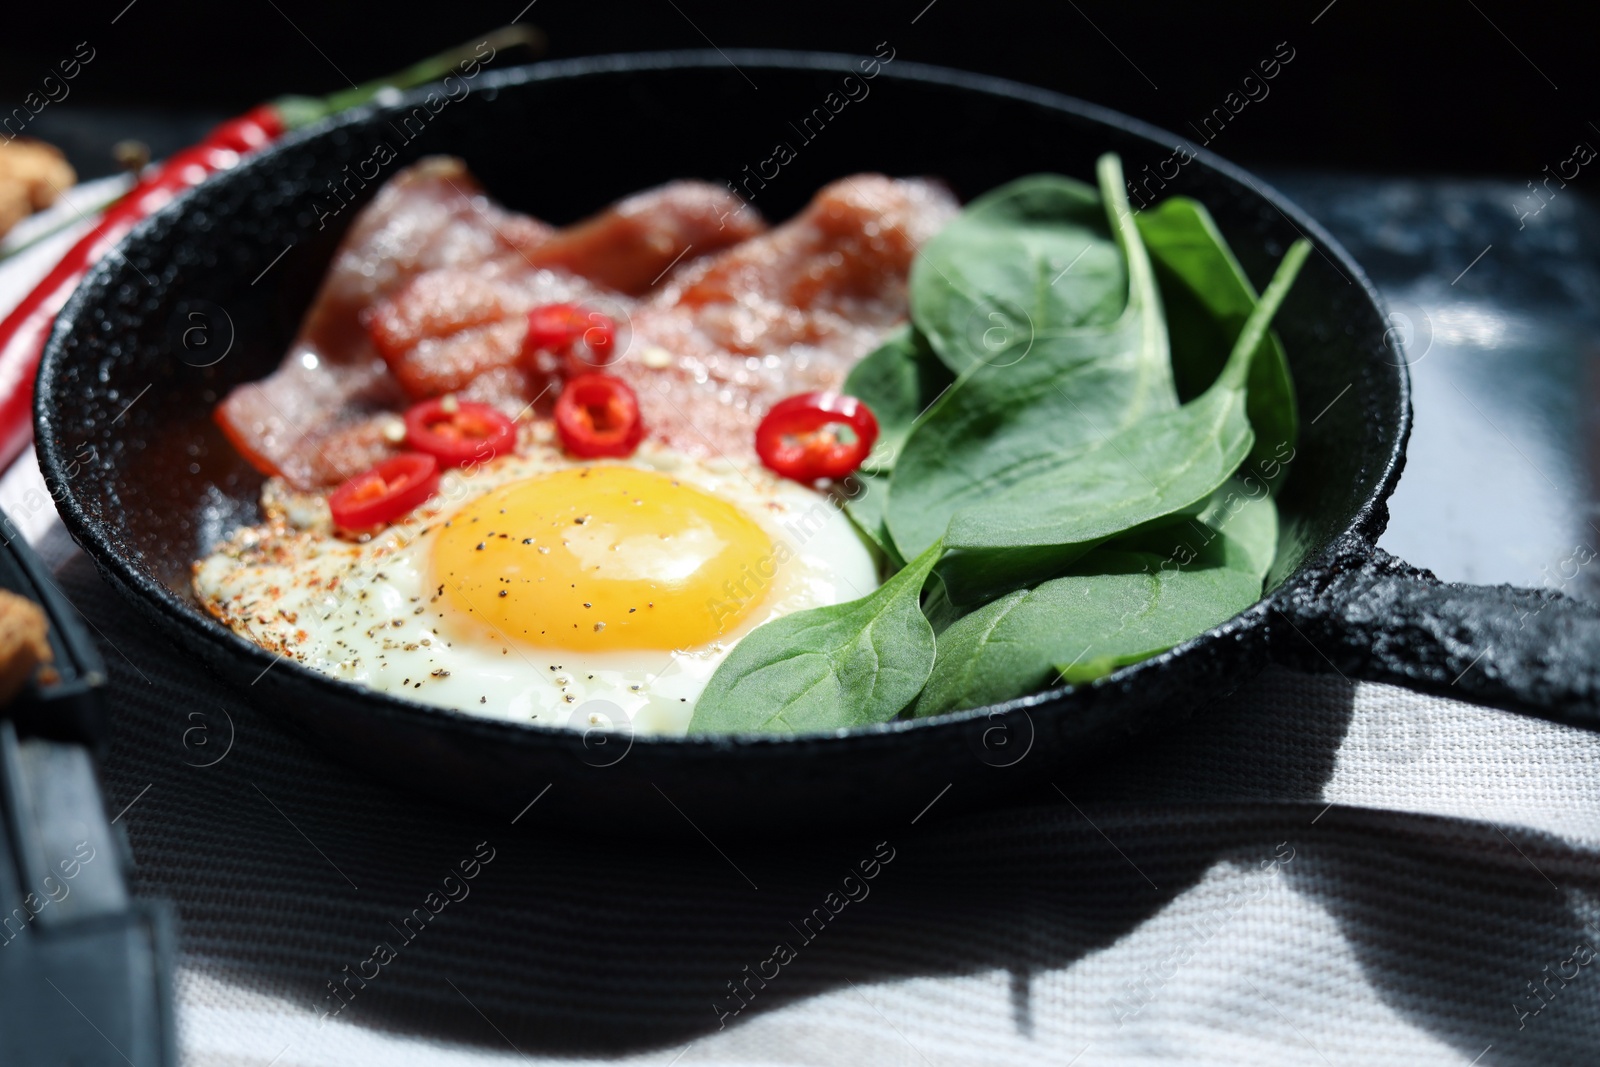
(865, 495)
(937, 605)
(1164, 465)
(1123, 603)
(1058, 344)
(897, 380)
(989, 274)
(845, 665)
(1208, 298)
(1243, 511)
(971, 576)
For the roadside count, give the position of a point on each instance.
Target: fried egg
(538, 588)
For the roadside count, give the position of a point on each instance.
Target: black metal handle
(1369, 615)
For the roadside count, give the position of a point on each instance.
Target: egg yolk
(602, 558)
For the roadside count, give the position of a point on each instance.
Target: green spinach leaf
(865, 495)
(1244, 511)
(1208, 299)
(937, 605)
(995, 270)
(1040, 294)
(1124, 602)
(846, 665)
(1163, 465)
(897, 380)
(1241, 508)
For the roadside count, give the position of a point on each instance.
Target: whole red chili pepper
(25, 330)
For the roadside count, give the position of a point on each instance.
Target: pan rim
(151, 594)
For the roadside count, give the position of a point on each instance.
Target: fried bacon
(786, 312)
(314, 419)
(631, 245)
(718, 317)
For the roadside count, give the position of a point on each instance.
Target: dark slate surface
(1499, 315)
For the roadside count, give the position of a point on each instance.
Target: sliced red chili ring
(559, 327)
(459, 432)
(598, 415)
(799, 438)
(385, 493)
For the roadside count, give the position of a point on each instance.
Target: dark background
(1413, 87)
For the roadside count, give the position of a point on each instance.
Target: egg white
(365, 612)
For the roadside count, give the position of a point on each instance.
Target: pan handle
(1369, 615)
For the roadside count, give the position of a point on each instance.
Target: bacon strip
(849, 250)
(313, 419)
(783, 313)
(431, 284)
(629, 246)
(718, 317)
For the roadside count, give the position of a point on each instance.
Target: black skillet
(560, 140)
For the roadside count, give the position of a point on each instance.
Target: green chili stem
(298, 111)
